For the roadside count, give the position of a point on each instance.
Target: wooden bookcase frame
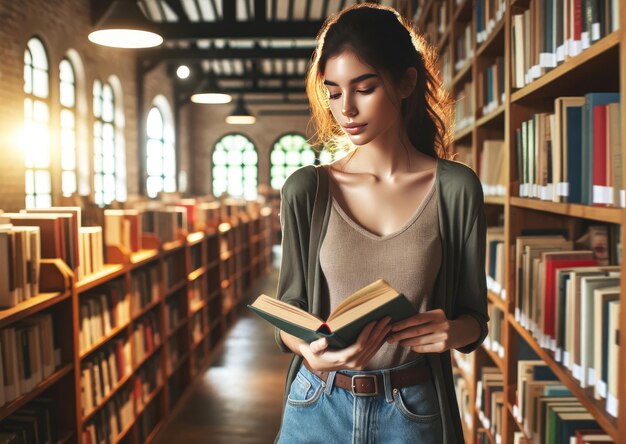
(60, 294)
(576, 76)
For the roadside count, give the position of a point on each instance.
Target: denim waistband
(420, 361)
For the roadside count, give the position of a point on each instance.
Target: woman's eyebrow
(355, 80)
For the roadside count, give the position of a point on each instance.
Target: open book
(371, 303)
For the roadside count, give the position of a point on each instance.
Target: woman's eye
(366, 91)
(362, 91)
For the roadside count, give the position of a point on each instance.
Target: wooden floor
(238, 399)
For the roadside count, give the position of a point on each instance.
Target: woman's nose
(348, 109)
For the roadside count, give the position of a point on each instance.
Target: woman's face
(357, 97)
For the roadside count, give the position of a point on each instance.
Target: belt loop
(387, 385)
(329, 382)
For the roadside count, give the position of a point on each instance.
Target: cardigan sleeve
(472, 286)
(292, 275)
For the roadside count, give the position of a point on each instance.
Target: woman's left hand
(427, 332)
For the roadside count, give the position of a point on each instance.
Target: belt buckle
(372, 377)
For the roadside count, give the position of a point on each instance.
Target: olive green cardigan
(460, 287)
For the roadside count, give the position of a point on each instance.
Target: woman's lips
(355, 129)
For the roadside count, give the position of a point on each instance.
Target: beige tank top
(408, 259)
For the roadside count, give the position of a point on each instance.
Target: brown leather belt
(372, 384)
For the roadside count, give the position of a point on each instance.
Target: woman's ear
(408, 82)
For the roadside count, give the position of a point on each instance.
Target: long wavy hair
(383, 39)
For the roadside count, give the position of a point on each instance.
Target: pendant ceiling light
(123, 25)
(209, 93)
(240, 114)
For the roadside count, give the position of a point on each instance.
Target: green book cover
(341, 330)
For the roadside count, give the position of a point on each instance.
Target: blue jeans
(317, 412)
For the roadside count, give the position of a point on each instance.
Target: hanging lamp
(240, 114)
(124, 25)
(209, 93)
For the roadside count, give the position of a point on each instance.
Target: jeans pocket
(304, 391)
(418, 403)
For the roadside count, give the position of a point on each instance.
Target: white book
(587, 331)
(613, 363)
(8, 293)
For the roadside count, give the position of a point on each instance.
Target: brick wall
(63, 25)
(208, 126)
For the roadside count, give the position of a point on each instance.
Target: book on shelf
(488, 14)
(148, 378)
(20, 257)
(573, 155)
(108, 422)
(146, 336)
(589, 436)
(490, 84)
(144, 288)
(29, 355)
(464, 106)
(102, 371)
(492, 171)
(602, 298)
(91, 252)
(370, 303)
(102, 310)
(33, 423)
(123, 228)
(493, 341)
(550, 32)
(613, 359)
(494, 264)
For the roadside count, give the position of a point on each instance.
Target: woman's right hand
(353, 357)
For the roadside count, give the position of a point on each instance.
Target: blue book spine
(574, 152)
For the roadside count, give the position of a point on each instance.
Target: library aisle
(238, 400)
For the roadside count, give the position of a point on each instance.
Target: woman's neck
(386, 157)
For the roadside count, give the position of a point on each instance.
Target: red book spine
(148, 333)
(578, 19)
(552, 266)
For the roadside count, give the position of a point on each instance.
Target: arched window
(289, 153)
(104, 149)
(160, 155)
(36, 125)
(67, 98)
(235, 167)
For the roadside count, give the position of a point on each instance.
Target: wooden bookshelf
(214, 270)
(598, 68)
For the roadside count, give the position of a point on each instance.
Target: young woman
(396, 208)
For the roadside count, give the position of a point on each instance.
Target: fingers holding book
(427, 332)
(353, 357)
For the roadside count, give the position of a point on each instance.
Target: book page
(287, 311)
(374, 290)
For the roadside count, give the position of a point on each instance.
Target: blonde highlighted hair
(383, 39)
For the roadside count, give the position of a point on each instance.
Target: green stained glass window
(235, 167)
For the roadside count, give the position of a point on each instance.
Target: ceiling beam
(239, 30)
(256, 75)
(260, 7)
(158, 55)
(177, 7)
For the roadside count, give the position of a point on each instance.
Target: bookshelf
(598, 68)
(170, 306)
